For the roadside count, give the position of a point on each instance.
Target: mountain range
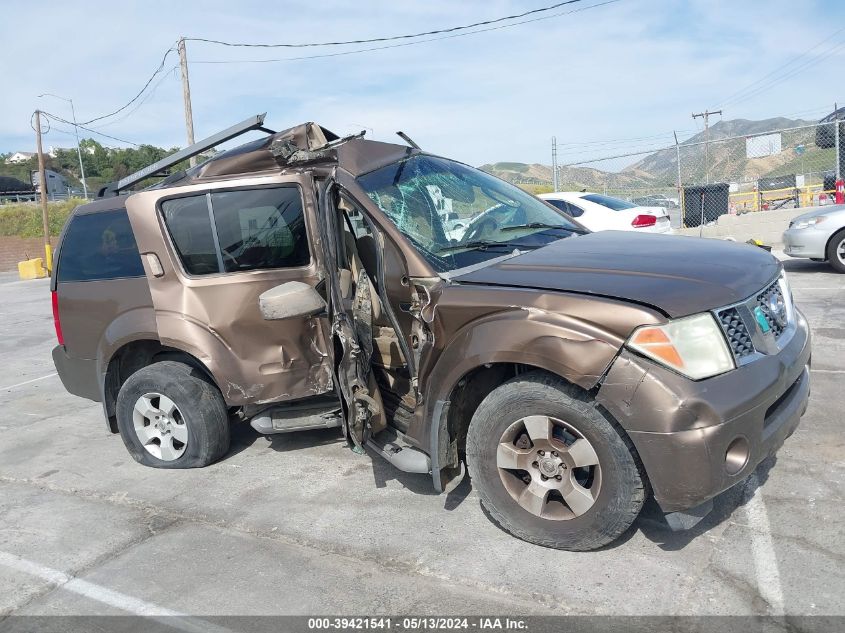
(722, 159)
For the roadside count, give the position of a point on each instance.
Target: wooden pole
(186, 96)
(42, 186)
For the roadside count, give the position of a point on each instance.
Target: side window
(260, 228)
(189, 224)
(574, 211)
(252, 229)
(566, 207)
(99, 246)
(365, 242)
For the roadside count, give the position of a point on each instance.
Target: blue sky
(629, 69)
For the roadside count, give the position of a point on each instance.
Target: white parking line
(828, 371)
(762, 547)
(26, 382)
(107, 596)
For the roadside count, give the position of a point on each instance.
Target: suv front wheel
(170, 416)
(550, 468)
(836, 252)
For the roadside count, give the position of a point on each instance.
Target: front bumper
(691, 436)
(805, 243)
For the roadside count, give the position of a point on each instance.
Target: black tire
(833, 247)
(200, 405)
(623, 488)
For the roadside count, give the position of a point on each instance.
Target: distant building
(55, 150)
(20, 157)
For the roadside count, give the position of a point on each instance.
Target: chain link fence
(700, 181)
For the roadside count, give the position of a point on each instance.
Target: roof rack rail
(252, 123)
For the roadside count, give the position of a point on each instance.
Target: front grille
(738, 335)
(756, 324)
(773, 292)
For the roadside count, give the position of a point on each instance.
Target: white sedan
(605, 213)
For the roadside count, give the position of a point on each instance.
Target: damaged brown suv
(304, 281)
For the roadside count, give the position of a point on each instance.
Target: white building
(20, 157)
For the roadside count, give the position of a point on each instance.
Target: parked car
(454, 225)
(656, 200)
(603, 213)
(573, 373)
(818, 235)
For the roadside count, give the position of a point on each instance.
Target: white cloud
(628, 69)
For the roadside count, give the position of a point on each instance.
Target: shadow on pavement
(654, 527)
(651, 521)
(802, 266)
(244, 436)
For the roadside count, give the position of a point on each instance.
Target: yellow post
(42, 186)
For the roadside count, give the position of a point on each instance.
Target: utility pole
(706, 116)
(837, 141)
(42, 186)
(555, 182)
(186, 95)
(680, 184)
(76, 131)
(79, 151)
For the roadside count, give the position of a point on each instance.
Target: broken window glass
(419, 194)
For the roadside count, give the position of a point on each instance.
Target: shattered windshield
(420, 193)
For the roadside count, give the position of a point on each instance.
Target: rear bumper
(78, 375)
(697, 439)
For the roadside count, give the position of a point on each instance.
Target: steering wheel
(487, 225)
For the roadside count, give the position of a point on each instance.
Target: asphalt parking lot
(299, 524)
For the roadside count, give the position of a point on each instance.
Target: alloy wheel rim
(840, 251)
(548, 467)
(160, 427)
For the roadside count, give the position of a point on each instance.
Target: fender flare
(524, 336)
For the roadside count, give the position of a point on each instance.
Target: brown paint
(566, 308)
(216, 318)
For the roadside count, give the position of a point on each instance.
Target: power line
(617, 141)
(450, 30)
(137, 96)
(388, 46)
(87, 129)
(313, 44)
(388, 38)
(788, 75)
(731, 98)
(143, 101)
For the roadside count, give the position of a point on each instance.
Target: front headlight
(808, 222)
(693, 346)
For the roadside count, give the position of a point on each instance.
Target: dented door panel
(216, 317)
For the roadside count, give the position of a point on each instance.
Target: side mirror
(290, 300)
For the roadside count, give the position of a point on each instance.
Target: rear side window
(189, 224)
(99, 246)
(233, 231)
(608, 201)
(566, 207)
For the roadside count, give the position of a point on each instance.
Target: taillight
(55, 299)
(644, 220)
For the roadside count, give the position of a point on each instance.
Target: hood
(678, 275)
(825, 210)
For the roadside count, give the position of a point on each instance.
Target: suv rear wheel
(170, 416)
(550, 468)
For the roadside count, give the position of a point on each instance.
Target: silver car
(818, 235)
